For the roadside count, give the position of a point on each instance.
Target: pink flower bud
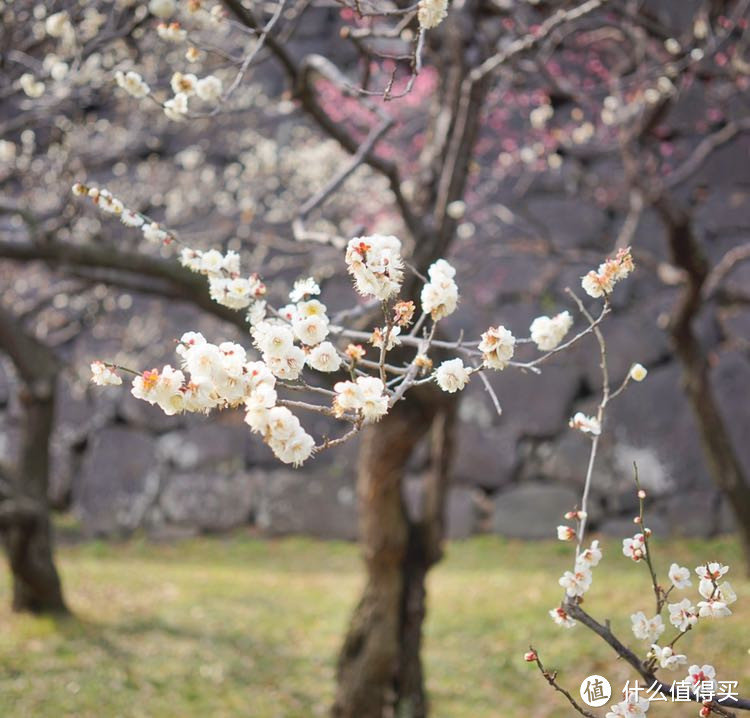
(529, 656)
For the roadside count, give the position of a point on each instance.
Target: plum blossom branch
(551, 677)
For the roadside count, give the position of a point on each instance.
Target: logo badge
(595, 691)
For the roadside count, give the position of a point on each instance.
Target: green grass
(237, 626)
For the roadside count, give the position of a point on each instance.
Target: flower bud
(355, 352)
(530, 656)
(638, 372)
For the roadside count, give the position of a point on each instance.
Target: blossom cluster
(365, 396)
(220, 376)
(548, 332)
(440, 295)
(105, 201)
(300, 335)
(375, 263)
(577, 581)
(497, 347)
(184, 86)
(225, 284)
(601, 282)
(431, 13)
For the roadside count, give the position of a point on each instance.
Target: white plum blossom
(274, 340)
(310, 330)
(547, 333)
(256, 313)
(177, 107)
(283, 433)
(162, 388)
(585, 424)
(107, 203)
(378, 337)
(577, 582)
(103, 375)
(566, 533)
(171, 32)
(289, 366)
(311, 308)
(324, 357)
(131, 219)
(631, 707)
(590, 556)
(638, 372)
(711, 571)
(183, 83)
(431, 13)
(702, 678)
(718, 599)
(374, 399)
(561, 618)
(497, 347)
(209, 89)
(439, 296)
(679, 576)
(303, 288)
(132, 83)
(452, 376)
(376, 265)
(366, 395)
(635, 547)
(30, 85)
(682, 615)
(647, 629)
(58, 24)
(667, 658)
(162, 8)
(212, 263)
(235, 293)
(154, 233)
(231, 264)
(276, 343)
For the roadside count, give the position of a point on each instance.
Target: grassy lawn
(237, 626)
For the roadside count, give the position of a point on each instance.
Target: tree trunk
(379, 670)
(424, 550)
(724, 464)
(24, 511)
(27, 534)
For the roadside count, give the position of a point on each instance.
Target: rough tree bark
(723, 461)
(24, 513)
(379, 667)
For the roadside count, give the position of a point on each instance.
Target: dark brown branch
(605, 633)
(190, 286)
(551, 678)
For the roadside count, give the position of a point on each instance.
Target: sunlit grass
(242, 627)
